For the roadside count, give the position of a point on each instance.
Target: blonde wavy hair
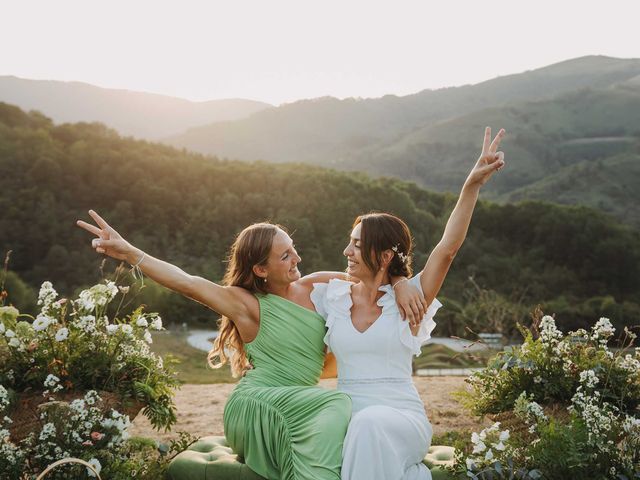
(251, 247)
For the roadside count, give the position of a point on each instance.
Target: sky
(279, 51)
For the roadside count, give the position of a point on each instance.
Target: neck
(282, 290)
(369, 286)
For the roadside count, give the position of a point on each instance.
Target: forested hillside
(186, 208)
(593, 135)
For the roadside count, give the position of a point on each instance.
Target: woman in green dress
(276, 418)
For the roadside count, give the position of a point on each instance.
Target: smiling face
(355, 266)
(281, 268)
(375, 245)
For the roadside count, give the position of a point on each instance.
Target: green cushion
(212, 459)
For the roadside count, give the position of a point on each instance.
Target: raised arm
(231, 302)
(455, 232)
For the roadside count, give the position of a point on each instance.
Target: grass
(192, 366)
(440, 356)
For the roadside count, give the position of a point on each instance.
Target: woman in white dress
(389, 433)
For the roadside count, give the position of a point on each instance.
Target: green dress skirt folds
(283, 425)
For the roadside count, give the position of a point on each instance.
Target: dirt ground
(200, 408)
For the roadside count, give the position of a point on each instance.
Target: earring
(265, 279)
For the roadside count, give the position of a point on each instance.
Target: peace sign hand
(490, 160)
(108, 241)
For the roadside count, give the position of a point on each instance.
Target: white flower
(479, 447)
(96, 465)
(142, 322)
(602, 331)
(589, 378)
(85, 301)
(51, 381)
(15, 343)
(111, 329)
(87, 323)
(4, 399)
(147, 337)
(42, 322)
(156, 324)
(112, 289)
(124, 290)
(470, 464)
(91, 397)
(2, 327)
(48, 430)
(62, 334)
(489, 455)
(630, 334)
(10, 334)
(127, 329)
(504, 436)
(47, 294)
(499, 446)
(548, 330)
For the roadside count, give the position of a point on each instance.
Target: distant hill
(611, 184)
(327, 131)
(545, 139)
(142, 115)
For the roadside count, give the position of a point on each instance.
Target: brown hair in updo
(383, 231)
(251, 247)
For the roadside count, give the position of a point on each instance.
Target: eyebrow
(289, 249)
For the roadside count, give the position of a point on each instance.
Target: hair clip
(402, 256)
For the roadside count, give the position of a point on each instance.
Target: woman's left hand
(411, 302)
(490, 159)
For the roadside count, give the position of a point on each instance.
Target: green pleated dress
(283, 425)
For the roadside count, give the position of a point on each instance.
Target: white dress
(389, 433)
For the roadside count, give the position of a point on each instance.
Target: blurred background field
(192, 365)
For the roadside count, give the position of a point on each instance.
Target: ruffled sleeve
(415, 342)
(319, 297)
(333, 301)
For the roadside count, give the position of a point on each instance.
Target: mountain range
(573, 131)
(143, 115)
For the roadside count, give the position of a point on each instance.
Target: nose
(348, 251)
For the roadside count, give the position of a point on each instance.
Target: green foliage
(570, 403)
(73, 346)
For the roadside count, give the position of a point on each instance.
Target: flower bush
(571, 404)
(81, 429)
(76, 358)
(74, 346)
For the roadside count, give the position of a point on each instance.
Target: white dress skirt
(389, 433)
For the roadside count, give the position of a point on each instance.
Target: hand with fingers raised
(490, 161)
(108, 241)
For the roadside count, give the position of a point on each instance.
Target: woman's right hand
(108, 241)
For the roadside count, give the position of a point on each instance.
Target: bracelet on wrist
(135, 270)
(139, 261)
(403, 279)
